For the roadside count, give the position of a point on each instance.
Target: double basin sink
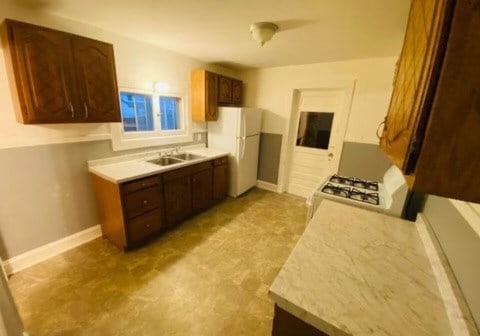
(177, 158)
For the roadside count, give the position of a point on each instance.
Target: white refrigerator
(237, 130)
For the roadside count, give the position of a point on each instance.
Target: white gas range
(387, 196)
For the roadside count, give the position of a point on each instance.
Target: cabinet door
(202, 194)
(144, 227)
(42, 67)
(237, 88)
(178, 199)
(414, 81)
(224, 90)
(97, 81)
(220, 182)
(211, 87)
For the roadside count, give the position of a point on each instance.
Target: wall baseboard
(49, 250)
(267, 186)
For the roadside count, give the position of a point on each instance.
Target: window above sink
(150, 119)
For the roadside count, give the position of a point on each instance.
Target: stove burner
(361, 196)
(342, 180)
(336, 190)
(371, 185)
(354, 182)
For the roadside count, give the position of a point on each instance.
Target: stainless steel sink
(187, 156)
(165, 161)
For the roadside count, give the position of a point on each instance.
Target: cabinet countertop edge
(132, 169)
(376, 262)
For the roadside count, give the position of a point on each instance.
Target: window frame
(137, 134)
(122, 139)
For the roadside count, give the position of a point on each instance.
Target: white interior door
(317, 139)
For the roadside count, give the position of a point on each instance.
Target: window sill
(120, 143)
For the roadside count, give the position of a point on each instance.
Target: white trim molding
(50, 250)
(267, 186)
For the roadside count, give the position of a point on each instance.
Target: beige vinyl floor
(209, 276)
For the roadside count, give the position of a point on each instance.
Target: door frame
(347, 87)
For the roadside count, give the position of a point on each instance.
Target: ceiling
(217, 31)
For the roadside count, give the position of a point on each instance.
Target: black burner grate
(354, 182)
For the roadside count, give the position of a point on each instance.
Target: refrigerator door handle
(242, 139)
(244, 124)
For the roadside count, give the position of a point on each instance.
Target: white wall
(138, 65)
(272, 90)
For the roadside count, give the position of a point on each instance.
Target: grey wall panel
(461, 245)
(361, 160)
(269, 157)
(10, 321)
(46, 193)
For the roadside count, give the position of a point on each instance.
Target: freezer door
(250, 122)
(221, 133)
(245, 176)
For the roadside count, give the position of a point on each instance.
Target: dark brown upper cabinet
(237, 92)
(56, 77)
(433, 124)
(224, 90)
(97, 80)
(229, 91)
(204, 86)
(210, 90)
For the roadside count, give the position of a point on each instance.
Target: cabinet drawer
(144, 227)
(140, 184)
(142, 201)
(221, 161)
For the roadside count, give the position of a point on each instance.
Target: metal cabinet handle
(384, 122)
(85, 107)
(72, 110)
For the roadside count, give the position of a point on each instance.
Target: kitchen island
(357, 272)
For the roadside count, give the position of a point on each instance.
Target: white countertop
(127, 168)
(358, 272)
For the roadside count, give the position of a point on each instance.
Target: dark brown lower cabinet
(285, 324)
(132, 212)
(220, 178)
(178, 200)
(135, 211)
(202, 190)
(144, 227)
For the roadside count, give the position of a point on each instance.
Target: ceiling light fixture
(263, 31)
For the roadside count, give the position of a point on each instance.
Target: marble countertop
(127, 168)
(357, 272)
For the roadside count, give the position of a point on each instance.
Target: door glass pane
(314, 129)
(136, 111)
